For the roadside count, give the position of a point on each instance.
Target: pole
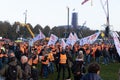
(67, 29)
(25, 13)
(25, 16)
(108, 22)
(68, 20)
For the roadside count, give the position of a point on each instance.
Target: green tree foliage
(46, 31)
(9, 31)
(37, 28)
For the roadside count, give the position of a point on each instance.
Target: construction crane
(27, 26)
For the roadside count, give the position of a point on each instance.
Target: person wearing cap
(78, 68)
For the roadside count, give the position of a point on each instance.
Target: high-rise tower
(74, 22)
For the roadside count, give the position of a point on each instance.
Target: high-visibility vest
(1, 55)
(88, 51)
(30, 61)
(35, 61)
(63, 58)
(99, 47)
(5, 55)
(50, 56)
(39, 48)
(93, 52)
(45, 62)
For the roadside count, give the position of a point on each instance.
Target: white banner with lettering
(71, 39)
(53, 39)
(90, 39)
(63, 44)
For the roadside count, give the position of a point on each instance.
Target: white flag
(117, 42)
(39, 36)
(63, 44)
(76, 37)
(93, 37)
(90, 39)
(53, 39)
(71, 40)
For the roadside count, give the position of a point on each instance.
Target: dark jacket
(91, 76)
(26, 71)
(5, 69)
(78, 67)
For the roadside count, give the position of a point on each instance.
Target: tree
(36, 29)
(46, 31)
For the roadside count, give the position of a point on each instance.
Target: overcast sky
(54, 12)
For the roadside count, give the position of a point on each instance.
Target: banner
(71, 39)
(117, 42)
(38, 37)
(76, 37)
(90, 39)
(63, 44)
(53, 39)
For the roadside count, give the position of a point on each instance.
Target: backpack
(34, 73)
(12, 72)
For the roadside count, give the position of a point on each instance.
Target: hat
(80, 55)
(24, 59)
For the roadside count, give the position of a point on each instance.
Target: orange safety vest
(1, 55)
(63, 58)
(99, 47)
(88, 51)
(5, 55)
(35, 61)
(45, 62)
(30, 61)
(93, 52)
(50, 56)
(39, 48)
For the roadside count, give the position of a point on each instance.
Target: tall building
(74, 23)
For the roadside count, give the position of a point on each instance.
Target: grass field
(108, 72)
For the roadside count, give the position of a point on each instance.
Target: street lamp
(67, 29)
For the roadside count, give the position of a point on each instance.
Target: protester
(62, 63)
(93, 72)
(78, 68)
(26, 68)
(11, 71)
(119, 74)
(69, 62)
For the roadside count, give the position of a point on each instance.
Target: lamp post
(67, 29)
(108, 22)
(68, 19)
(25, 13)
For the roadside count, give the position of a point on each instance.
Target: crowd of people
(19, 61)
